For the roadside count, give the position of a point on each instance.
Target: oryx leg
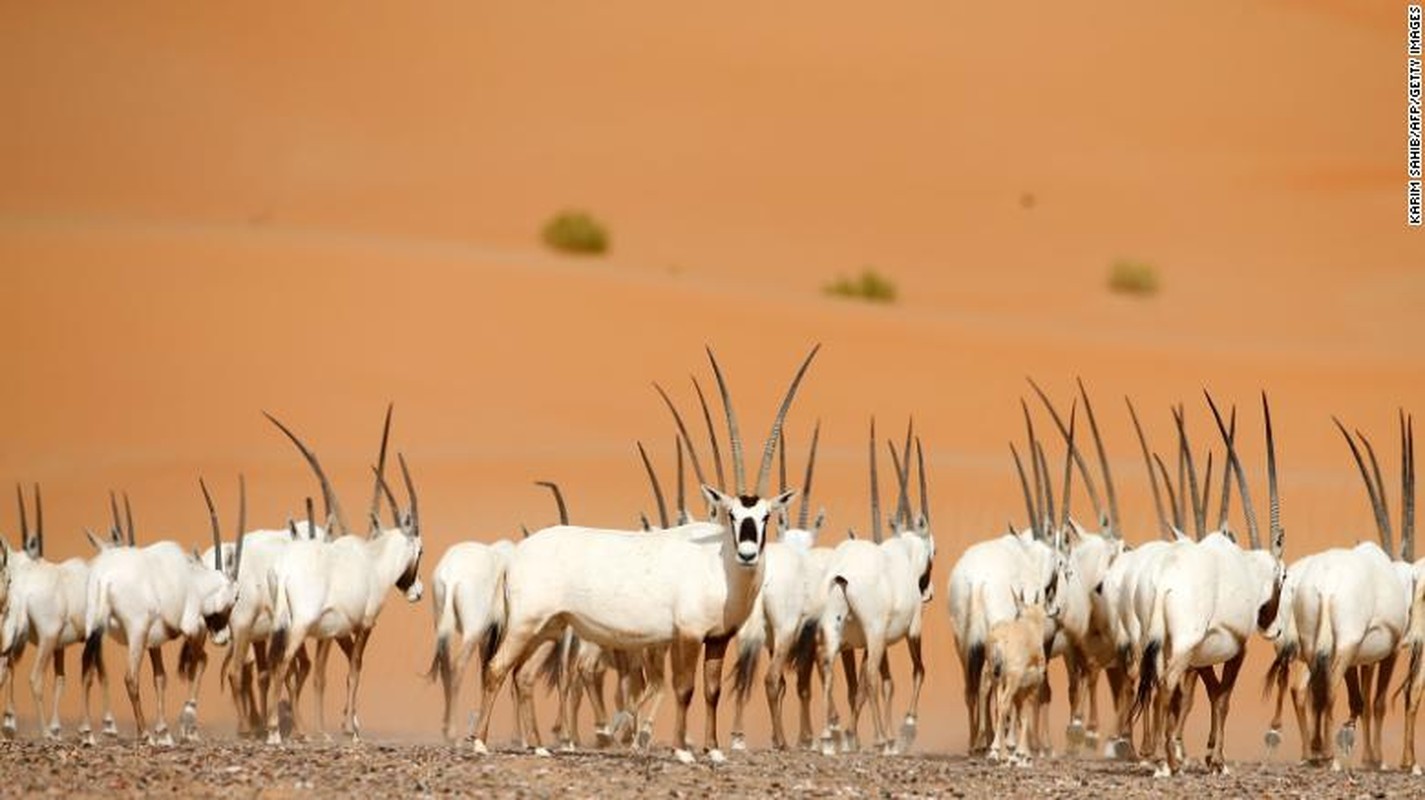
(280, 651)
(775, 683)
(874, 662)
(648, 674)
(1366, 680)
(685, 664)
(917, 676)
(44, 651)
(238, 680)
(1385, 668)
(1279, 686)
(1041, 743)
(351, 725)
(1414, 687)
(1075, 669)
(971, 696)
(54, 727)
(526, 676)
(1299, 706)
(131, 680)
(888, 690)
(714, 650)
(8, 661)
(830, 646)
(160, 692)
(805, 737)
(514, 650)
(195, 658)
(319, 687)
(591, 683)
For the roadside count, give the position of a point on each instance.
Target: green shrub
(870, 286)
(576, 232)
(1133, 277)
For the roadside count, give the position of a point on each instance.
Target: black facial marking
(747, 531)
(748, 501)
(409, 576)
(217, 622)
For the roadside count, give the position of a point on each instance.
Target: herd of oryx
(568, 605)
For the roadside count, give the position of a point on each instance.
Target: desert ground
(206, 212)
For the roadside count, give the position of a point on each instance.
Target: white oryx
(875, 593)
(1208, 598)
(46, 608)
(334, 591)
(147, 596)
(687, 588)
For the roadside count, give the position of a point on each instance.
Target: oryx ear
(99, 544)
(784, 499)
(922, 525)
(820, 520)
(715, 498)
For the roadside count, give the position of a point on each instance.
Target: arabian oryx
(875, 595)
(1208, 597)
(686, 588)
(785, 615)
(1015, 667)
(46, 608)
(146, 596)
(1346, 617)
(334, 591)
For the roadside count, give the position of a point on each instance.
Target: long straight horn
(739, 477)
(116, 532)
(1074, 452)
(39, 522)
(241, 524)
(1033, 454)
(558, 500)
(780, 420)
(1380, 488)
(781, 462)
(415, 510)
(217, 534)
(1189, 490)
(1276, 535)
(1163, 526)
(24, 520)
(875, 490)
(712, 437)
(904, 489)
(312, 520)
(129, 520)
(903, 502)
(333, 506)
(1068, 467)
(1114, 527)
(1172, 498)
(1029, 505)
(683, 433)
(1227, 474)
(657, 489)
(682, 506)
(1407, 486)
(924, 495)
(1049, 518)
(805, 512)
(375, 514)
(1207, 483)
(1382, 520)
(1253, 536)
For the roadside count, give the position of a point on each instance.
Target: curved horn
(1172, 497)
(333, 506)
(1207, 484)
(779, 421)
(1032, 453)
(682, 507)
(1377, 507)
(375, 514)
(781, 462)
(806, 483)
(739, 478)
(1069, 467)
(1028, 496)
(292, 529)
(1163, 526)
(1189, 491)
(903, 501)
(24, 519)
(924, 495)
(657, 489)
(1236, 466)
(1043, 467)
(1276, 535)
(1073, 449)
(241, 524)
(1380, 490)
(1222, 511)
(558, 500)
(1114, 526)
(712, 436)
(415, 512)
(217, 534)
(875, 490)
(682, 433)
(904, 490)
(39, 523)
(129, 520)
(1407, 487)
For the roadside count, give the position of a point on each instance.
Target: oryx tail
(976, 633)
(1320, 683)
(1154, 652)
(751, 639)
(444, 606)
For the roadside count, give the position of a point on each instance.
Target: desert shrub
(576, 232)
(870, 286)
(1133, 277)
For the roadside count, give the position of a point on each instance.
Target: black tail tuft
(1147, 675)
(490, 642)
(552, 670)
(1278, 671)
(1320, 683)
(277, 646)
(440, 661)
(975, 668)
(804, 649)
(93, 656)
(744, 670)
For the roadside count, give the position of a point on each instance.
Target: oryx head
(32, 542)
(800, 533)
(217, 582)
(745, 514)
(408, 524)
(914, 531)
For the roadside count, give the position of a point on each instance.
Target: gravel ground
(232, 769)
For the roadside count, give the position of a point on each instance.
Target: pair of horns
(1111, 521)
(1234, 468)
(901, 462)
(217, 532)
(1375, 485)
(1040, 502)
(118, 527)
(33, 541)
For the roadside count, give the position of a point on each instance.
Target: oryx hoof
(88, 740)
(1336, 765)
(739, 743)
(479, 747)
(1417, 771)
(828, 744)
(1120, 749)
(643, 740)
(684, 756)
(274, 737)
(603, 738)
(621, 720)
(716, 756)
(542, 752)
(1091, 738)
(7, 727)
(849, 742)
(161, 738)
(1074, 735)
(1021, 760)
(1163, 771)
(1273, 739)
(908, 731)
(1346, 738)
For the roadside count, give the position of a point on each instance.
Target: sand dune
(207, 213)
